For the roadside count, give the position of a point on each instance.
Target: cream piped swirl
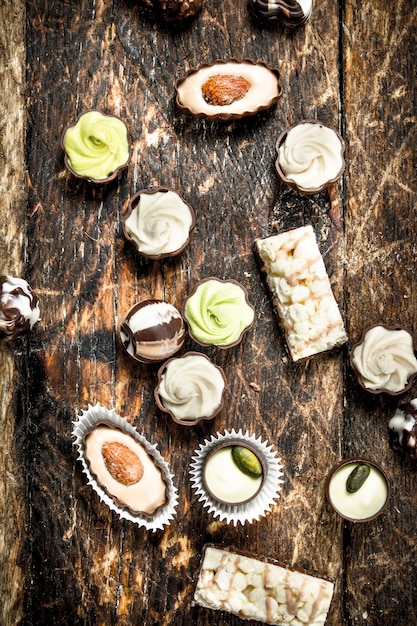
(96, 145)
(159, 223)
(385, 359)
(311, 155)
(191, 387)
(218, 312)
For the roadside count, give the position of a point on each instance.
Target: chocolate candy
(403, 429)
(228, 89)
(153, 330)
(19, 309)
(289, 12)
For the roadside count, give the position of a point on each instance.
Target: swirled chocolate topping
(289, 12)
(152, 331)
(403, 429)
(19, 309)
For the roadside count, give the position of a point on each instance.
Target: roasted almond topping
(223, 89)
(122, 463)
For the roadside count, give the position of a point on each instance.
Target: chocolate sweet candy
(301, 292)
(19, 309)
(384, 359)
(289, 12)
(190, 388)
(310, 157)
(152, 330)
(357, 489)
(158, 222)
(218, 312)
(96, 146)
(403, 429)
(125, 470)
(228, 89)
(233, 474)
(261, 589)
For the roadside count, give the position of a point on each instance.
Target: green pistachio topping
(96, 145)
(247, 461)
(357, 477)
(218, 312)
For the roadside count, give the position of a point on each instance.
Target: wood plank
(12, 210)
(380, 222)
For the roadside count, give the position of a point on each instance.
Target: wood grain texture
(12, 210)
(352, 67)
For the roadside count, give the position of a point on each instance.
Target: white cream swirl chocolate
(311, 156)
(19, 309)
(191, 387)
(159, 222)
(385, 359)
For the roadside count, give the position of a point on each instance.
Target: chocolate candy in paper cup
(236, 476)
(124, 469)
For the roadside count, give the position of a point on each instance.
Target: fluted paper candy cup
(252, 505)
(91, 420)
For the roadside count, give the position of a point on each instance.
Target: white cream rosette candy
(158, 222)
(190, 388)
(384, 359)
(254, 504)
(310, 157)
(124, 469)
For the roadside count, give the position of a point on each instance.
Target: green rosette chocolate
(218, 312)
(96, 146)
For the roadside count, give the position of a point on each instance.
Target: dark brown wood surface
(65, 558)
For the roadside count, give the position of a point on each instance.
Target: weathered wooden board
(65, 557)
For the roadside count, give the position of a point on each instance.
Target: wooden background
(64, 557)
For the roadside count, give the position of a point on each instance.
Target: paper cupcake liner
(98, 414)
(261, 504)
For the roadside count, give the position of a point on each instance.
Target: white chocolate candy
(311, 155)
(255, 589)
(191, 387)
(301, 292)
(226, 481)
(143, 496)
(363, 503)
(159, 223)
(385, 358)
(264, 89)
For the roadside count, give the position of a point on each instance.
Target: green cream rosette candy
(96, 146)
(218, 312)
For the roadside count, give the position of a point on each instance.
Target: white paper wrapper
(87, 421)
(262, 502)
